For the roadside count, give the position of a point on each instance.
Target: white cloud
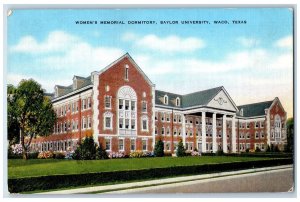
(169, 44)
(248, 42)
(285, 42)
(46, 84)
(57, 41)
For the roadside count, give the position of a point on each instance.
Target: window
(107, 144)
(168, 117)
(127, 123)
(89, 102)
(84, 104)
(162, 131)
(73, 125)
(144, 106)
(256, 124)
(162, 116)
(248, 135)
(155, 130)
(121, 144)
(121, 104)
(126, 104)
(256, 135)
(65, 127)
(73, 107)
(132, 105)
(197, 121)
(247, 125)
(89, 122)
(144, 145)
(156, 116)
(133, 124)
(168, 131)
(144, 123)
(262, 124)
(121, 122)
(107, 101)
(177, 101)
(262, 135)
(179, 132)
(191, 121)
(175, 132)
(179, 118)
(76, 104)
(132, 144)
(165, 99)
(84, 125)
(108, 124)
(168, 147)
(126, 72)
(175, 118)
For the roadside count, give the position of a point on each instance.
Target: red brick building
(120, 107)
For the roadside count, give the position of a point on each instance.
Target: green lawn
(40, 167)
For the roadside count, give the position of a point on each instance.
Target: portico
(209, 131)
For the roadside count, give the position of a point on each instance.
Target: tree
(180, 149)
(101, 153)
(30, 113)
(159, 148)
(290, 135)
(87, 150)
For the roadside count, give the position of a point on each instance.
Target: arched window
(166, 99)
(177, 101)
(277, 126)
(127, 113)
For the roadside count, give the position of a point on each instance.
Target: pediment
(222, 101)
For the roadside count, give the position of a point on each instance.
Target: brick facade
(125, 101)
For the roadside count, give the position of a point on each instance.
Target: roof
(255, 109)
(69, 89)
(188, 100)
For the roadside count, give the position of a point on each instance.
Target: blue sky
(253, 61)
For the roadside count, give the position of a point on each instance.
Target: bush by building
(86, 150)
(159, 148)
(101, 153)
(180, 149)
(58, 155)
(45, 155)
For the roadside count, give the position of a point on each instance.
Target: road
(268, 181)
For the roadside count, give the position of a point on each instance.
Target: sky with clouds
(253, 61)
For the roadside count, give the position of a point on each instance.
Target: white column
(203, 133)
(224, 134)
(183, 130)
(214, 134)
(233, 138)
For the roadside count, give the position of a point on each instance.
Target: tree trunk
(24, 153)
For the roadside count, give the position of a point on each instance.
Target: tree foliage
(86, 150)
(180, 149)
(159, 148)
(290, 135)
(30, 113)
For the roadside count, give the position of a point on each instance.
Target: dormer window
(242, 112)
(126, 72)
(166, 100)
(177, 101)
(74, 84)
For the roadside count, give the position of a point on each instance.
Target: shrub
(219, 152)
(247, 150)
(180, 149)
(188, 153)
(101, 153)
(195, 153)
(257, 149)
(86, 150)
(45, 155)
(159, 148)
(59, 155)
(17, 149)
(139, 154)
(33, 155)
(115, 155)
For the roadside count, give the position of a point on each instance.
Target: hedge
(257, 154)
(64, 181)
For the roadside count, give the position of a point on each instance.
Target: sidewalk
(117, 187)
